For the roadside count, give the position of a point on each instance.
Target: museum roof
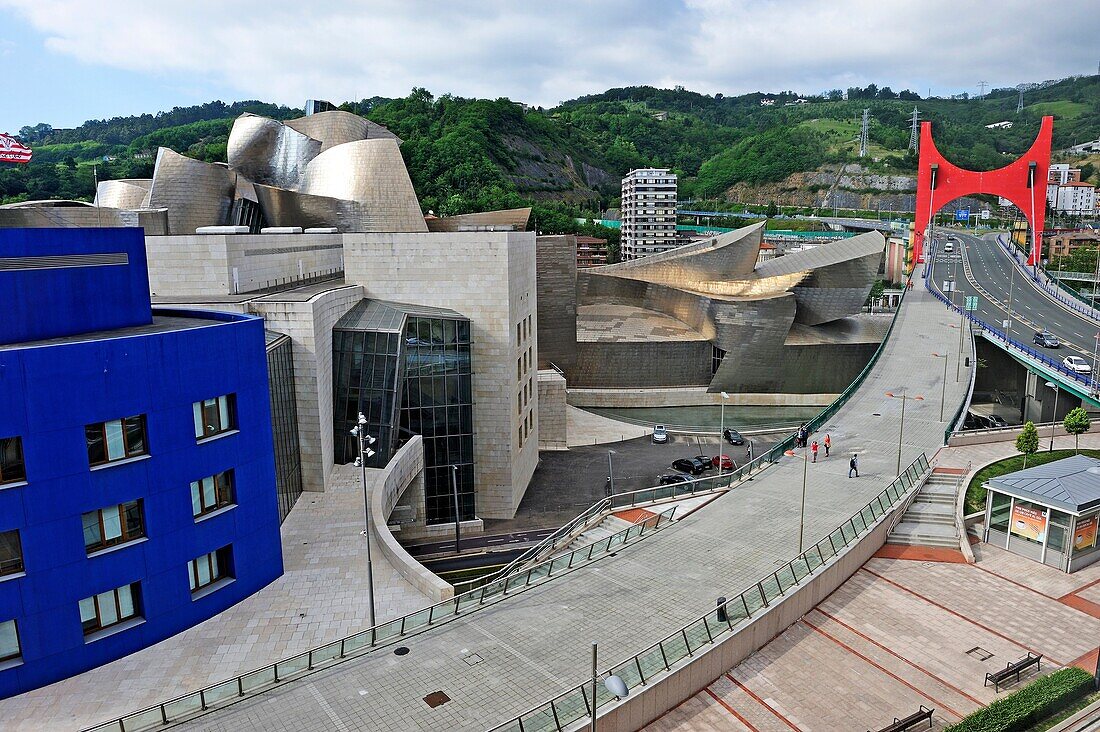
(382, 315)
(611, 323)
(160, 324)
(1071, 484)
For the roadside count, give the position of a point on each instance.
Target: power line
(914, 134)
(1020, 104)
(981, 89)
(863, 130)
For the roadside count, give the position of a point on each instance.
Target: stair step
(935, 498)
(922, 541)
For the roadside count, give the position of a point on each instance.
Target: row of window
(524, 364)
(123, 523)
(107, 609)
(121, 439)
(525, 427)
(523, 330)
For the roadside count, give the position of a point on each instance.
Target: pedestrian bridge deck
(497, 662)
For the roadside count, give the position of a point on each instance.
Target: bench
(900, 725)
(1013, 669)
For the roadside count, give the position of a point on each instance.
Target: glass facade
(284, 422)
(408, 370)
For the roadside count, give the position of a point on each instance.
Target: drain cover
(473, 659)
(401, 651)
(436, 699)
(979, 653)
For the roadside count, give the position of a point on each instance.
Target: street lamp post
(610, 474)
(802, 515)
(458, 516)
(901, 425)
(360, 433)
(722, 432)
(1054, 415)
(943, 393)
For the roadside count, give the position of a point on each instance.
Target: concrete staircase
(930, 519)
(610, 525)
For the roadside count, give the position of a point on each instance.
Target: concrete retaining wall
(689, 397)
(661, 695)
(387, 485)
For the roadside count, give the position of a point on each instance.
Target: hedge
(1034, 702)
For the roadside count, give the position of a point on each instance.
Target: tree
(772, 211)
(1027, 441)
(1076, 421)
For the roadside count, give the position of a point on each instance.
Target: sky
(67, 61)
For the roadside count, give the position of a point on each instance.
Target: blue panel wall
(86, 295)
(48, 393)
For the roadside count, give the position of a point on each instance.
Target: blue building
(137, 476)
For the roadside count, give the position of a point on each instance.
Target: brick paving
(536, 644)
(899, 633)
(321, 597)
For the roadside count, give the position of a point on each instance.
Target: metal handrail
(570, 707)
(261, 679)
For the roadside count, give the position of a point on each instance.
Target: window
(209, 568)
(214, 416)
(110, 608)
(211, 493)
(11, 554)
(116, 440)
(12, 469)
(9, 641)
(113, 526)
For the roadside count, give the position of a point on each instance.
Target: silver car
(660, 434)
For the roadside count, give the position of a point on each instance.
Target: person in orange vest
(828, 443)
(813, 449)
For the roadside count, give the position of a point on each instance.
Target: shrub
(1030, 704)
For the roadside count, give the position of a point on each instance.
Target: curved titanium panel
(372, 173)
(267, 151)
(337, 127)
(289, 208)
(727, 256)
(513, 217)
(124, 193)
(195, 193)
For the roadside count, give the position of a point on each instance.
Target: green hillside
(475, 154)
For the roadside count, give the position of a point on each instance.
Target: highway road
(982, 268)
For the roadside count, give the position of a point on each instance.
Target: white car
(660, 434)
(948, 248)
(1077, 365)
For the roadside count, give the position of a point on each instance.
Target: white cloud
(543, 52)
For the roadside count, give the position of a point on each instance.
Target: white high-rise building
(1076, 199)
(648, 212)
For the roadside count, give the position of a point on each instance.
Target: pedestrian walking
(813, 449)
(828, 443)
(853, 466)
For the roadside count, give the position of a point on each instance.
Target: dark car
(705, 460)
(1046, 339)
(733, 437)
(695, 466)
(672, 479)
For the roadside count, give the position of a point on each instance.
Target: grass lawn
(975, 493)
(1062, 108)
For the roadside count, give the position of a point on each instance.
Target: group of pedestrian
(802, 436)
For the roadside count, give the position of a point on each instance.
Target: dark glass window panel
(97, 445)
(135, 435)
(463, 331)
(113, 526)
(11, 553)
(12, 467)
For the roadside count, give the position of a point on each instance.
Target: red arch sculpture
(1024, 182)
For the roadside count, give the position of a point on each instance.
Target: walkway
(320, 597)
(500, 661)
(896, 635)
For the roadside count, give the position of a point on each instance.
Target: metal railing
(574, 705)
(264, 678)
(1076, 301)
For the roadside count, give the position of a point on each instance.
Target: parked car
(660, 434)
(725, 460)
(1077, 365)
(705, 460)
(948, 247)
(689, 465)
(672, 478)
(733, 437)
(1046, 339)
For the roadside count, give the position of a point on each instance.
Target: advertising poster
(1085, 535)
(1030, 523)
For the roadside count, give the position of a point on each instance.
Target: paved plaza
(897, 635)
(503, 659)
(322, 596)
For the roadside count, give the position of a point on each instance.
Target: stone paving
(896, 635)
(536, 644)
(321, 597)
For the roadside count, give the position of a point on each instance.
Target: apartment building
(648, 212)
